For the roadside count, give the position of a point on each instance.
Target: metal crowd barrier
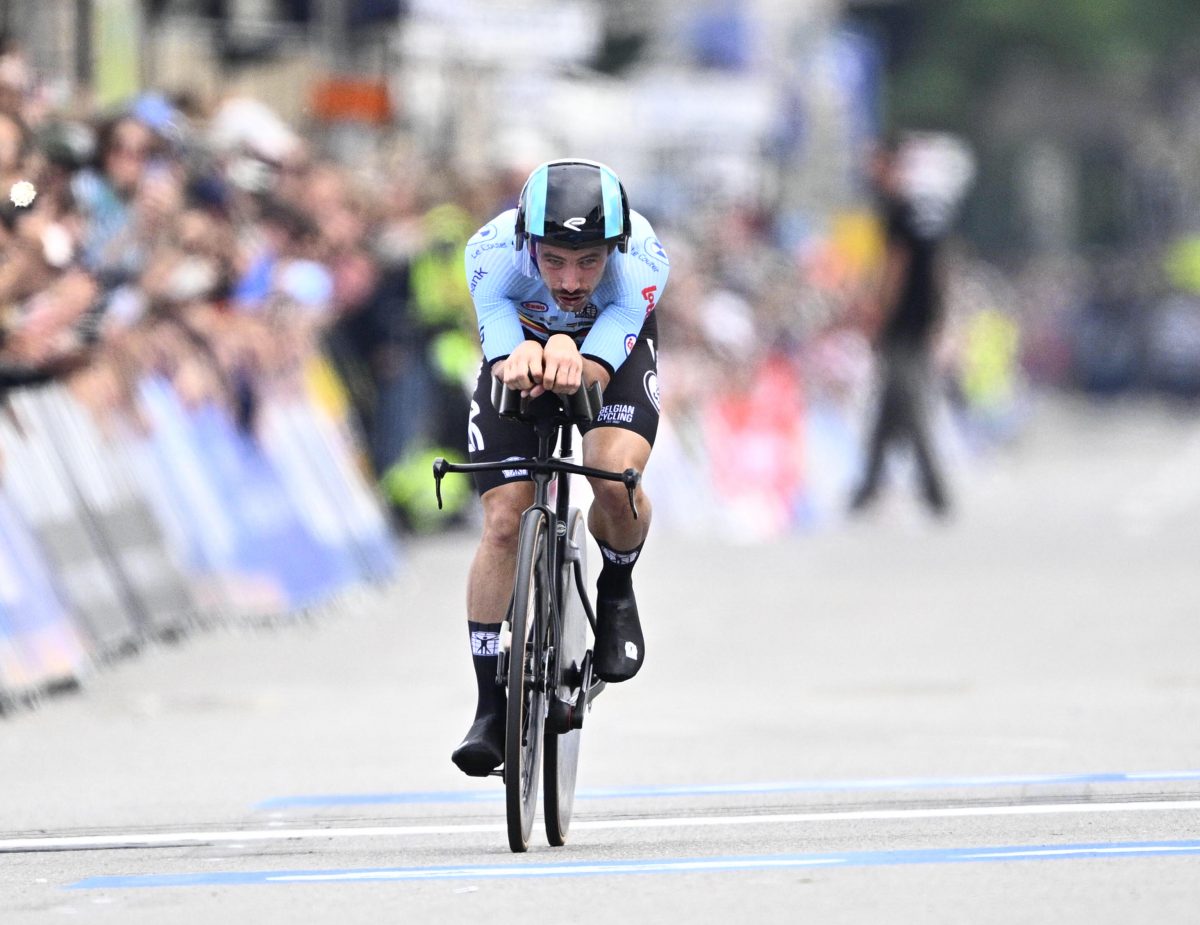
(120, 532)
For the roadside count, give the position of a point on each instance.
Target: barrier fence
(119, 529)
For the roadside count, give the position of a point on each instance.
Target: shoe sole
(616, 678)
(475, 764)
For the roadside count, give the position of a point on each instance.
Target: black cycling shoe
(482, 751)
(620, 647)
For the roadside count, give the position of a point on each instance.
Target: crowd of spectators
(219, 247)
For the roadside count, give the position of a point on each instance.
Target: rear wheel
(570, 646)
(526, 680)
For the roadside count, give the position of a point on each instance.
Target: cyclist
(564, 287)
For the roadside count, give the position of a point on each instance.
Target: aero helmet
(573, 204)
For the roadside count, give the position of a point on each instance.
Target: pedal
(585, 692)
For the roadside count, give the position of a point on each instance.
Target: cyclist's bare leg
(489, 587)
(610, 519)
(490, 580)
(620, 647)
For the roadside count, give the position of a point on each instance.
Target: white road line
(878, 815)
(332, 800)
(524, 870)
(555, 870)
(170, 839)
(1067, 852)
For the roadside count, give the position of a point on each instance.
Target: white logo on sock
(631, 650)
(484, 642)
(619, 558)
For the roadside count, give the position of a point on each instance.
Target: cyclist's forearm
(500, 331)
(595, 372)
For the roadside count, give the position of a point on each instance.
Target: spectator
(909, 307)
(105, 194)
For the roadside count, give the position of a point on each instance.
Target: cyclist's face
(571, 276)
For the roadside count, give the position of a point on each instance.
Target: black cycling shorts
(630, 402)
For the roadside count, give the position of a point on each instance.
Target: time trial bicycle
(545, 645)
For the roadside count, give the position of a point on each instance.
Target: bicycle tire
(560, 755)
(526, 692)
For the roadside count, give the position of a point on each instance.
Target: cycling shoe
(620, 647)
(482, 751)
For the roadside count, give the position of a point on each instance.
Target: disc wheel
(570, 646)
(526, 686)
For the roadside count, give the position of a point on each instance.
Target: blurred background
(235, 325)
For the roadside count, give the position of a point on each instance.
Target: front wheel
(526, 679)
(570, 647)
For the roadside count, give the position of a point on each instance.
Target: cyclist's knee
(613, 498)
(502, 507)
(615, 450)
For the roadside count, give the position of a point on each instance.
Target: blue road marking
(534, 870)
(313, 801)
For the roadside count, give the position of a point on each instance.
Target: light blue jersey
(511, 299)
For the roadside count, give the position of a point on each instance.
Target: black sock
(485, 653)
(616, 575)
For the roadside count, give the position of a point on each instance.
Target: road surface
(992, 719)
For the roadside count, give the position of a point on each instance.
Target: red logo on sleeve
(648, 295)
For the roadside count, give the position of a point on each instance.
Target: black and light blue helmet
(573, 204)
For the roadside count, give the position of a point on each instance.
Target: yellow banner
(116, 50)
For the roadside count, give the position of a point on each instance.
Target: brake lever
(439, 471)
(632, 478)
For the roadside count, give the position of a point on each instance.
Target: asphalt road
(992, 719)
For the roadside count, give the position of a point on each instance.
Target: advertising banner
(270, 537)
(42, 493)
(40, 646)
(121, 518)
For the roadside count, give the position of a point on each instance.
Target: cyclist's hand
(562, 367)
(522, 369)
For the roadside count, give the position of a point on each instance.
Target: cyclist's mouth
(570, 301)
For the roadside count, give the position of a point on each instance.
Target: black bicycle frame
(543, 469)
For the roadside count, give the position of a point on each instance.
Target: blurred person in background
(564, 288)
(376, 341)
(193, 261)
(15, 142)
(422, 404)
(51, 303)
(16, 79)
(908, 308)
(49, 323)
(106, 194)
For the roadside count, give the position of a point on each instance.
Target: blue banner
(39, 643)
